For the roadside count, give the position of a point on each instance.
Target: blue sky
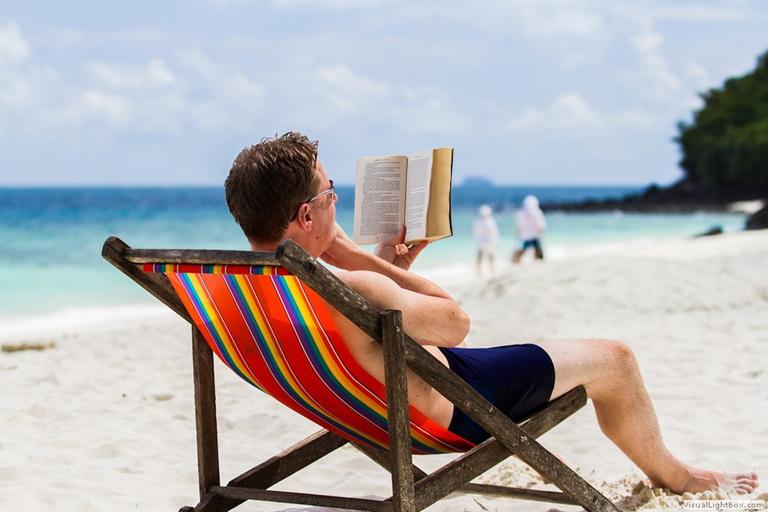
(527, 92)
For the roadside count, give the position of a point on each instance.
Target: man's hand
(393, 250)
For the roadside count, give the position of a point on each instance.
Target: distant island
(477, 182)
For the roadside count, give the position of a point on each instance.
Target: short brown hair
(268, 182)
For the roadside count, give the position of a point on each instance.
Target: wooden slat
(115, 250)
(489, 453)
(555, 412)
(291, 460)
(431, 488)
(205, 413)
(330, 288)
(399, 424)
(199, 257)
(272, 471)
(504, 430)
(316, 500)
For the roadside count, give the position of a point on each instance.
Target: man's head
(269, 182)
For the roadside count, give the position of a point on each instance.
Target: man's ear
(305, 217)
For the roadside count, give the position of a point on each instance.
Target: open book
(414, 190)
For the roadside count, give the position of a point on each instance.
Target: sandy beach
(104, 420)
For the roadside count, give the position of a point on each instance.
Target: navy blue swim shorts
(533, 242)
(516, 379)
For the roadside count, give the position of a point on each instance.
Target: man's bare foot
(703, 480)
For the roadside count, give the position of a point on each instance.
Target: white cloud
(326, 4)
(101, 107)
(67, 37)
(227, 104)
(700, 13)
(239, 89)
(567, 111)
(16, 91)
(348, 91)
(336, 95)
(13, 48)
(197, 60)
(120, 100)
(570, 112)
(223, 84)
(698, 74)
(329, 95)
(427, 109)
(155, 74)
(129, 99)
(560, 18)
(223, 97)
(125, 114)
(318, 4)
(650, 75)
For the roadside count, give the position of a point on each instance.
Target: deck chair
(265, 316)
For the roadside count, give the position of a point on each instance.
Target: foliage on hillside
(726, 145)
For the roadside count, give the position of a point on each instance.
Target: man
(278, 189)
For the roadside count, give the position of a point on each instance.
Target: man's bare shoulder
(371, 285)
(361, 278)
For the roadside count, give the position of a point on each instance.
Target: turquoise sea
(50, 239)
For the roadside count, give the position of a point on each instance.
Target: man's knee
(615, 368)
(620, 356)
(598, 364)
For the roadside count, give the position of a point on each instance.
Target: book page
(417, 195)
(379, 198)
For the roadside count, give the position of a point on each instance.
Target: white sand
(104, 421)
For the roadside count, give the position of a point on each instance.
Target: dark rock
(714, 230)
(758, 220)
(682, 197)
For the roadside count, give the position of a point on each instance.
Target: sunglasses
(331, 190)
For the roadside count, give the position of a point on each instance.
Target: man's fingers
(397, 238)
(414, 250)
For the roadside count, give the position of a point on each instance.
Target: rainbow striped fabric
(278, 335)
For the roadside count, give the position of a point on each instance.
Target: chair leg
(452, 477)
(403, 491)
(507, 432)
(205, 413)
(257, 480)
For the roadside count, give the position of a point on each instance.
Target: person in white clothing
(530, 228)
(486, 233)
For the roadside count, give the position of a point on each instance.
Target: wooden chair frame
(412, 488)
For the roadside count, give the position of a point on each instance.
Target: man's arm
(430, 315)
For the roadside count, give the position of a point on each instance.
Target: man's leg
(609, 372)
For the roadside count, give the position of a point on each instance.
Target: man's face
(324, 210)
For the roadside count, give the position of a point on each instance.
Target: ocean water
(50, 239)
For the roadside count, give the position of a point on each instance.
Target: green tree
(726, 145)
